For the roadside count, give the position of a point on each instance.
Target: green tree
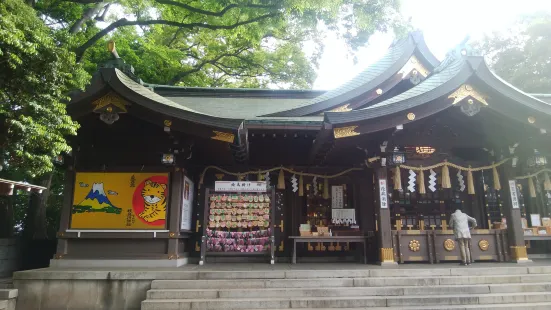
(230, 43)
(522, 54)
(36, 74)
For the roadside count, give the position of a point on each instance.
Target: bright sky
(444, 23)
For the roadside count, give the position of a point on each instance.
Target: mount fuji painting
(96, 201)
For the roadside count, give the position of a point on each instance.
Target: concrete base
(524, 261)
(387, 264)
(8, 299)
(118, 263)
(9, 256)
(539, 256)
(126, 288)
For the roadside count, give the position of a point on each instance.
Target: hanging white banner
(337, 197)
(514, 197)
(383, 197)
(187, 204)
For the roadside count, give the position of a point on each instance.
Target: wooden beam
(324, 139)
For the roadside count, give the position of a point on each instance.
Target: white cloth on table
(459, 221)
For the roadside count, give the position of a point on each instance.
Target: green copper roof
(236, 107)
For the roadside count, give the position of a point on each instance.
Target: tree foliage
(230, 43)
(522, 54)
(36, 74)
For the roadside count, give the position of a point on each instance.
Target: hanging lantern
(397, 157)
(58, 159)
(537, 159)
(168, 159)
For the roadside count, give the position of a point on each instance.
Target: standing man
(459, 221)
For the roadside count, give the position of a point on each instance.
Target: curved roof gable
(412, 47)
(112, 78)
(451, 80)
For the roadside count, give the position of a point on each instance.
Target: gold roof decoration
(344, 132)
(342, 108)
(110, 100)
(223, 136)
(413, 64)
(466, 90)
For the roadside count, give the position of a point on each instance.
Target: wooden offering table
(435, 246)
(306, 239)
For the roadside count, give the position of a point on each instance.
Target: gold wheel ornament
(414, 245)
(449, 245)
(484, 245)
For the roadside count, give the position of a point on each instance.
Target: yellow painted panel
(120, 201)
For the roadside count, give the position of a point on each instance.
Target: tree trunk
(6, 217)
(35, 226)
(86, 16)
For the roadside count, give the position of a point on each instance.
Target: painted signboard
(240, 186)
(120, 201)
(187, 204)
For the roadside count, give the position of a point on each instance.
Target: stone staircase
(377, 288)
(8, 298)
(8, 294)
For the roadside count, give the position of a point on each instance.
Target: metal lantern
(168, 159)
(537, 160)
(397, 157)
(59, 159)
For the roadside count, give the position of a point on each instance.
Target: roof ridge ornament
(460, 51)
(111, 47)
(118, 63)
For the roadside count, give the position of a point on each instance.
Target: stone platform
(283, 286)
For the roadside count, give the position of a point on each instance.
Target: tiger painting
(154, 198)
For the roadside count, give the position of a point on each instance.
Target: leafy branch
(123, 22)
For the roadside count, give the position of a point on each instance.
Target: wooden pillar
(68, 191)
(386, 252)
(175, 212)
(512, 211)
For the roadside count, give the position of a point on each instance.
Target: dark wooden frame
(306, 239)
(171, 236)
(206, 212)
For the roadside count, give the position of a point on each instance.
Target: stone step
(3, 304)
(345, 291)
(344, 302)
(478, 270)
(8, 293)
(516, 306)
(349, 282)
(253, 283)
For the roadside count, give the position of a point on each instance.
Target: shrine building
(161, 176)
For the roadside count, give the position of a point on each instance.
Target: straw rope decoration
(531, 185)
(446, 182)
(534, 174)
(281, 175)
